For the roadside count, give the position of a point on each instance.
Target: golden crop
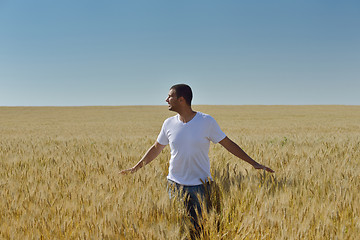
(59, 174)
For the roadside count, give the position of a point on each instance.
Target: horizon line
(154, 105)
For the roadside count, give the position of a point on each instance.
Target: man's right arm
(150, 155)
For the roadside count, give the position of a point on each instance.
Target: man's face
(172, 100)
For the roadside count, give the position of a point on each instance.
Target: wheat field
(59, 174)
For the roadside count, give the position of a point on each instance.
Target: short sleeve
(162, 137)
(215, 133)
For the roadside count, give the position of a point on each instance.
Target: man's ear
(181, 99)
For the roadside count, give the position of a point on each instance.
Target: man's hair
(183, 90)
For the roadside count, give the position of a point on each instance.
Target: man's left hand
(259, 166)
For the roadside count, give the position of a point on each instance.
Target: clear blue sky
(81, 52)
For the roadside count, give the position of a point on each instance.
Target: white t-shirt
(189, 144)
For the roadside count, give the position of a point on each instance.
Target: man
(189, 134)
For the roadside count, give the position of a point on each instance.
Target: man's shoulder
(171, 119)
(205, 116)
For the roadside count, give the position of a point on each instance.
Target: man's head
(183, 90)
(179, 95)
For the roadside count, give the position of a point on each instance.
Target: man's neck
(186, 115)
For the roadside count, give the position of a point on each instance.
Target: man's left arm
(238, 152)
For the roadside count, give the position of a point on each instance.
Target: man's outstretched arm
(238, 152)
(150, 155)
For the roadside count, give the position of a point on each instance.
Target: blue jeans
(190, 196)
